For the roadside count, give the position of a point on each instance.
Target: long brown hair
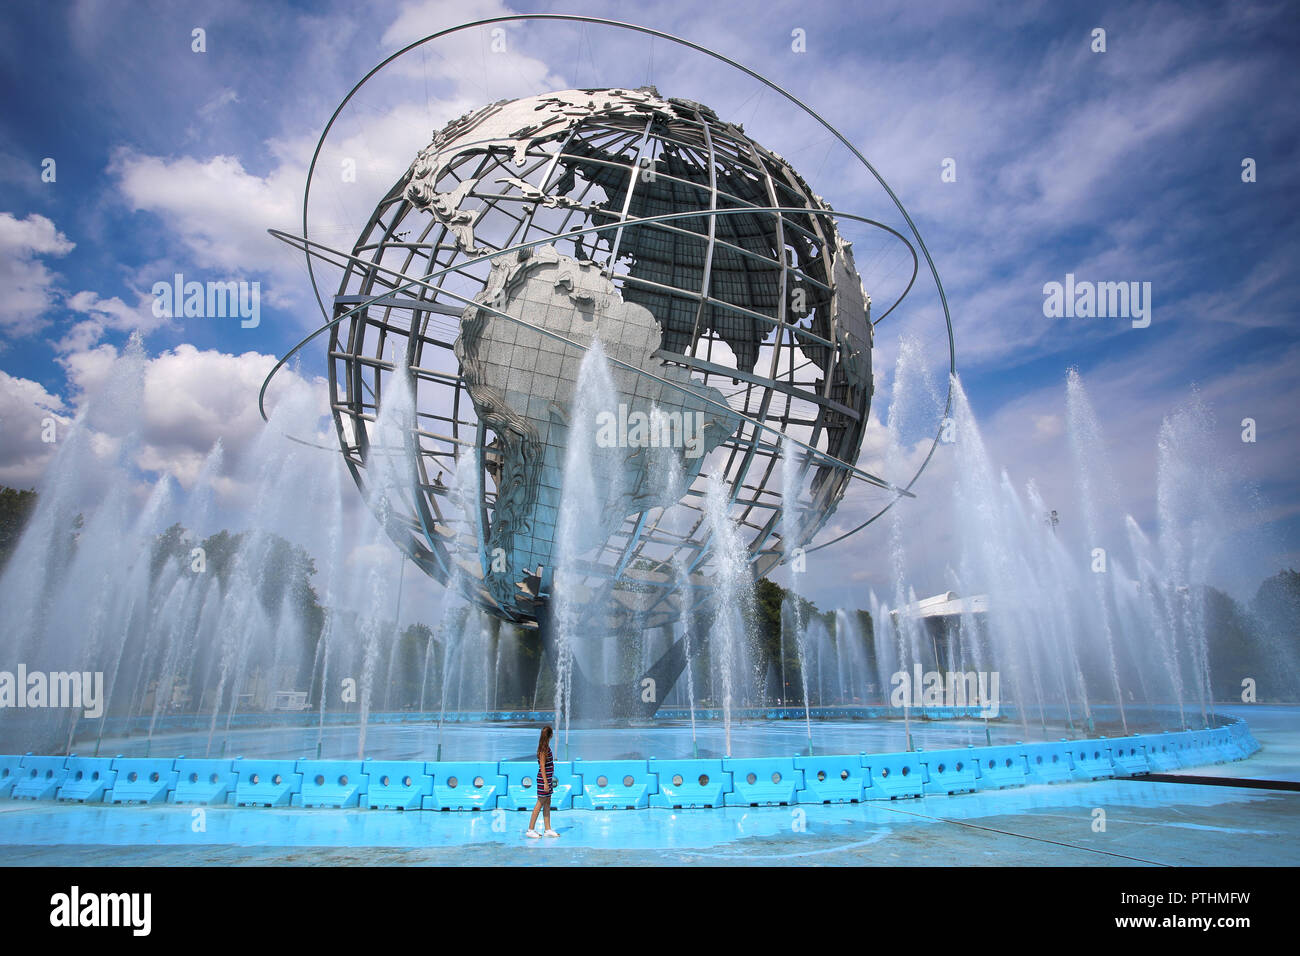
(543, 740)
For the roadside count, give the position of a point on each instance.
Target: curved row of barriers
(610, 784)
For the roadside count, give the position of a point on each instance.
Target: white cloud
(220, 206)
(193, 398)
(111, 313)
(25, 406)
(219, 210)
(30, 289)
(82, 337)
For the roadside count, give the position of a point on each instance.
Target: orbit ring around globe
(748, 281)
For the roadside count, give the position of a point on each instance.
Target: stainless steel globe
(717, 285)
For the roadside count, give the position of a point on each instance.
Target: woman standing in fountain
(545, 784)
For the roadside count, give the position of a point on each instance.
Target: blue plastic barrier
(1199, 745)
(1202, 749)
(836, 779)
(1161, 757)
(143, 780)
(1203, 746)
(396, 784)
(1222, 745)
(464, 785)
(1245, 740)
(1129, 758)
(331, 783)
(607, 784)
(267, 783)
(893, 776)
(1002, 767)
(689, 783)
(1091, 760)
(948, 771)
(10, 765)
(763, 781)
(521, 785)
(1048, 762)
(1250, 744)
(88, 779)
(614, 784)
(204, 781)
(1185, 750)
(39, 778)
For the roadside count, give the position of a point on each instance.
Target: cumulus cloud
(110, 313)
(191, 399)
(1066, 161)
(26, 408)
(219, 210)
(30, 288)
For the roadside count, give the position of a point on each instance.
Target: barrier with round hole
(143, 780)
(1090, 760)
(1203, 749)
(1048, 762)
(464, 785)
(763, 781)
(614, 784)
(840, 779)
(1244, 741)
(396, 784)
(9, 767)
(267, 783)
(39, 778)
(948, 771)
(1187, 749)
(892, 776)
(1128, 756)
(520, 791)
(331, 783)
(204, 781)
(88, 779)
(1000, 767)
(685, 783)
(1161, 755)
(627, 783)
(1219, 742)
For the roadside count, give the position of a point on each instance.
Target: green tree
(16, 507)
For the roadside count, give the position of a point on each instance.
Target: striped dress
(543, 791)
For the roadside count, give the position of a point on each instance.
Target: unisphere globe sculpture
(744, 332)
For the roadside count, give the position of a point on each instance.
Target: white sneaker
(532, 835)
(551, 833)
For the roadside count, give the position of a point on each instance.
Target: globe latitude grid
(764, 309)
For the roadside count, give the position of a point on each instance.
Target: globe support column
(638, 700)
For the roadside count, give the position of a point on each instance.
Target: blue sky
(1117, 166)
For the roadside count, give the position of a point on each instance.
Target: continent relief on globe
(522, 383)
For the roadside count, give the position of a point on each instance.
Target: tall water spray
(732, 599)
(792, 608)
(591, 474)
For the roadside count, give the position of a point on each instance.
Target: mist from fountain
(123, 573)
(591, 474)
(791, 526)
(1102, 614)
(732, 602)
